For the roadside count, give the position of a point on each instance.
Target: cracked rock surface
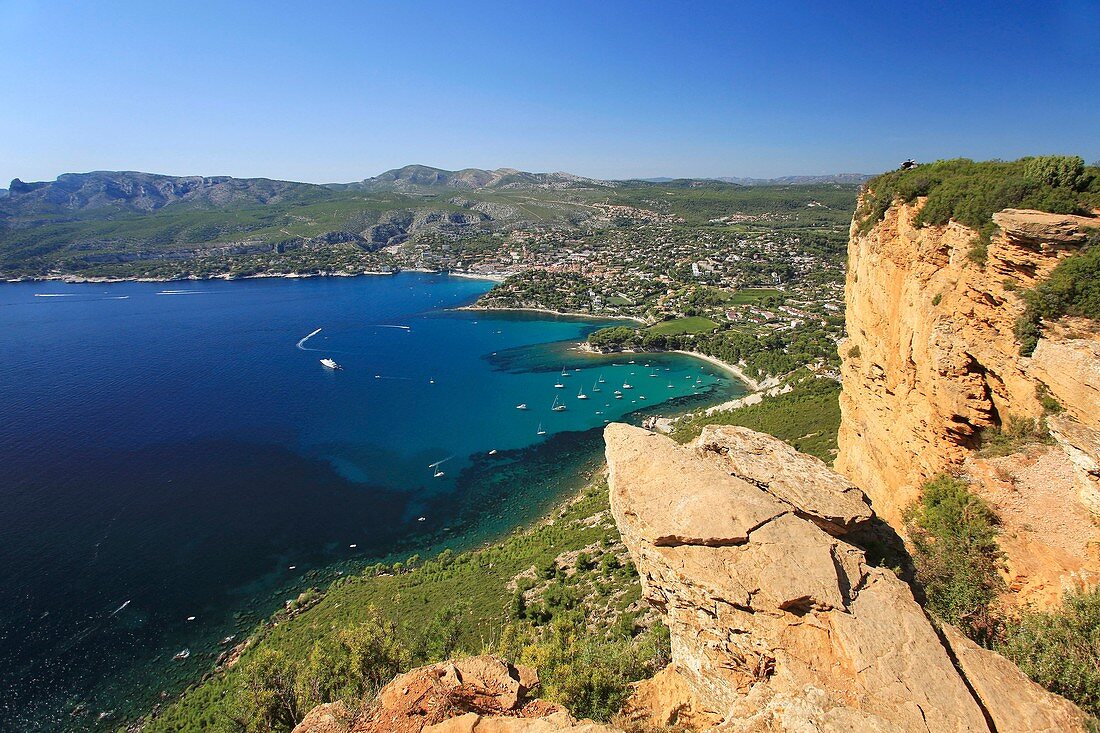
(777, 622)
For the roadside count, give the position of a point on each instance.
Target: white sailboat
(557, 407)
(436, 472)
(596, 387)
(581, 395)
(565, 373)
(540, 431)
(559, 385)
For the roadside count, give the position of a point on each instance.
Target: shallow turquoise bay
(177, 450)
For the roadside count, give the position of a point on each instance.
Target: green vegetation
(767, 352)
(1072, 289)
(954, 534)
(680, 326)
(969, 193)
(807, 417)
(573, 620)
(1016, 434)
(1060, 649)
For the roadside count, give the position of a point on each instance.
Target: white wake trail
(301, 344)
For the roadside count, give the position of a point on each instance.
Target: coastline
(81, 280)
(736, 371)
(548, 311)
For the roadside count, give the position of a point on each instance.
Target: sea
(176, 462)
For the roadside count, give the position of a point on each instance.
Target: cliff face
(778, 621)
(931, 359)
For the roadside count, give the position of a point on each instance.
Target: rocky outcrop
(931, 357)
(479, 694)
(778, 621)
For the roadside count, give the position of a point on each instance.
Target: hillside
(412, 177)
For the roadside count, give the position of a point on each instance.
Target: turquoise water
(177, 450)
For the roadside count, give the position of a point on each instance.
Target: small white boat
(601, 379)
(596, 387)
(581, 395)
(493, 452)
(182, 654)
(438, 473)
(557, 407)
(540, 431)
(559, 385)
(521, 406)
(227, 639)
(421, 519)
(330, 364)
(565, 373)
(628, 385)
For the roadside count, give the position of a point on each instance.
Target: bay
(177, 463)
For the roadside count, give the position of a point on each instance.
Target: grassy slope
(808, 418)
(477, 579)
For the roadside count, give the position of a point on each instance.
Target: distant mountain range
(146, 192)
(415, 176)
(848, 178)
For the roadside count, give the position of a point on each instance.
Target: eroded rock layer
(778, 621)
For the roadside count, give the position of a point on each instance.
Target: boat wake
(386, 325)
(301, 344)
(179, 292)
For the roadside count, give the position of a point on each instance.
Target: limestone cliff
(931, 359)
(778, 621)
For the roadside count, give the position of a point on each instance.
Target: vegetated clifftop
(778, 620)
(931, 360)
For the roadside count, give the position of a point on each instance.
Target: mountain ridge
(142, 192)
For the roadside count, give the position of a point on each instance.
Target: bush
(589, 674)
(969, 192)
(1012, 437)
(1060, 649)
(1072, 289)
(954, 536)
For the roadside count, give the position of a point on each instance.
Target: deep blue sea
(176, 463)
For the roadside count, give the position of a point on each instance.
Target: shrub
(853, 353)
(588, 673)
(1072, 289)
(1018, 433)
(969, 192)
(954, 536)
(1060, 649)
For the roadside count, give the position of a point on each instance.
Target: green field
(750, 295)
(679, 326)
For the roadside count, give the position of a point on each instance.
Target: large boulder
(483, 694)
(777, 622)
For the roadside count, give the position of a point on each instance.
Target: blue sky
(337, 91)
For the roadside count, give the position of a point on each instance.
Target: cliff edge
(778, 621)
(931, 360)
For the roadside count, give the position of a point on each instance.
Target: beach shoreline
(564, 314)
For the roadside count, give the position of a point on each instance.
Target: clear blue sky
(337, 91)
